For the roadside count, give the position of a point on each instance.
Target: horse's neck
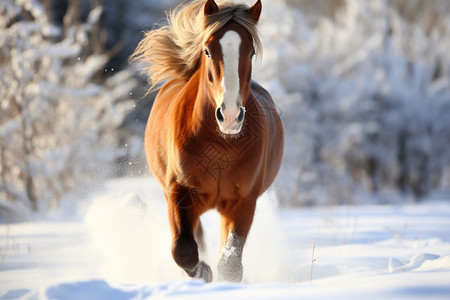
(196, 100)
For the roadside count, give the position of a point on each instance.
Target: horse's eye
(252, 54)
(207, 53)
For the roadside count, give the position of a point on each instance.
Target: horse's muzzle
(230, 120)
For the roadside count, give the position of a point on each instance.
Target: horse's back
(262, 95)
(275, 132)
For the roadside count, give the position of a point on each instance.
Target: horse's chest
(213, 161)
(217, 166)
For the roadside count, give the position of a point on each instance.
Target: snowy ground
(116, 246)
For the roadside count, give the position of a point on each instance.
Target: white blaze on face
(230, 42)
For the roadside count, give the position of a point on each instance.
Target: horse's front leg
(184, 217)
(236, 222)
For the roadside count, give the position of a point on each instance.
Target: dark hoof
(201, 271)
(230, 269)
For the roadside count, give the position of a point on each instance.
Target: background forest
(363, 88)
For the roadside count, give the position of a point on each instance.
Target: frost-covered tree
(60, 114)
(365, 96)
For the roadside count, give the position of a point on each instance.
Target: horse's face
(228, 62)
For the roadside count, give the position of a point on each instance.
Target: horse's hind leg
(198, 234)
(183, 218)
(236, 223)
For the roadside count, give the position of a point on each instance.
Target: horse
(214, 139)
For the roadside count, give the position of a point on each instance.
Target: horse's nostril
(241, 114)
(219, 115)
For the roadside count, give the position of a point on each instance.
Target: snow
(114, 243)
(367, 87)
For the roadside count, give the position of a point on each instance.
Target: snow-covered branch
(365, 99)
(59, 113)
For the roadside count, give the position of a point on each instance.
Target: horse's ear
(255, 11)
(210, 7)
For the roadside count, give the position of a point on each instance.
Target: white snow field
(114, 244)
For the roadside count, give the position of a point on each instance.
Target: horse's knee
(185, 252)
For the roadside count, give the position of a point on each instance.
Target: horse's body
(205, 155)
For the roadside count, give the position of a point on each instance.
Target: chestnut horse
(214, 139)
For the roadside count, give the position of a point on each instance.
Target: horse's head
(228, 54)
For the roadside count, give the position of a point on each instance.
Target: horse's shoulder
(265, 101)
(261, 95)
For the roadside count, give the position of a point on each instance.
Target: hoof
(201, 271)
(230, 269)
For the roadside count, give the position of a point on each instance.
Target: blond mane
(174, 51)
